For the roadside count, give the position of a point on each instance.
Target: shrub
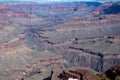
(117, 77)
(106, 78)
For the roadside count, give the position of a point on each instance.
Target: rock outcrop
(80, 74)
(113, 72)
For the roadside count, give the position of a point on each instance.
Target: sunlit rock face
(39, 41)
(80, 74)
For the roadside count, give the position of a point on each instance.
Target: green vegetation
(105, 78)
(117, 77)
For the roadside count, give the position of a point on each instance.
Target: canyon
(55, 41)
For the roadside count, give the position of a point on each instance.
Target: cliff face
(94, 60)
(108, 8)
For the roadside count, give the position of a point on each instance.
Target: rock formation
(44, 41)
